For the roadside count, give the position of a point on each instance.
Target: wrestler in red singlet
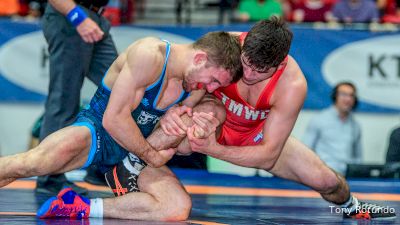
(244, 123)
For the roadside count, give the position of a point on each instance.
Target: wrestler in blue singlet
(105, 151)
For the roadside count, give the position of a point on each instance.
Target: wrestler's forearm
(160, 141)
(247, 156)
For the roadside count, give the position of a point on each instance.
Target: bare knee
(178, 207)
(335, 188)
(173, 203)
(326, 181)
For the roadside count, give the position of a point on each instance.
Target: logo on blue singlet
(145, 118)
(145, 102)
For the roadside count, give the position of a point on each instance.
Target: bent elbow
(107, 122)
(269, 165)
(271, 160)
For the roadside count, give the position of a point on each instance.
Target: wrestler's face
(345, 98)
(206, 77)
(252, 75)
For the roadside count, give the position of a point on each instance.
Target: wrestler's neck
(255, 85)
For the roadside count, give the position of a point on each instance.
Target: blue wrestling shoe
(67, 204)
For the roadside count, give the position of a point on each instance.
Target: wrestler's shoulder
(292, 78)
(147, 44)
(292, 72)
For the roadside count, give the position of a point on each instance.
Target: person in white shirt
(334, 134)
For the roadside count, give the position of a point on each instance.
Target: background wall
(368, 59)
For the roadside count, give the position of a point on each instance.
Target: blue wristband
(76, 16)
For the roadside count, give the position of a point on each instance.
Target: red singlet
(244, 123)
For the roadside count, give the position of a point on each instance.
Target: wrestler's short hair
(267, 43)
(222, 50)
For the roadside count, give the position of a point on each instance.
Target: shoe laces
(132, 183)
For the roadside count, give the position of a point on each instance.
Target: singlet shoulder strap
(270, 87)
(167, 52)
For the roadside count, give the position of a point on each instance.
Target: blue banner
(370, 60)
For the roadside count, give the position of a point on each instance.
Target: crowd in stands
(344, 11)
(26, 8)
(297, 11)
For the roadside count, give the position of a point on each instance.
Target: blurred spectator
(227, 6)
(393, 152)
(312, 11)
(355, 11)
(334, 134)
(113, 12)
(129, 8)
(385, 6)
(389, 18)
(123, 11)
(36, 9)
(9, 8)
(180, 6)
(392, 165)
(37, 6)
(254, 10)
(288, 6)
(390, 10)
(140, 6)
(32, 8)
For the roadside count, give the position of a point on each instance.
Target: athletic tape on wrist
(76, 16)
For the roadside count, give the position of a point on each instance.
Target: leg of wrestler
(62, 151)
(298, 163)
(122, 175)
(162, 197)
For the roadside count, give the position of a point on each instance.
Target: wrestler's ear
(200, 57)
